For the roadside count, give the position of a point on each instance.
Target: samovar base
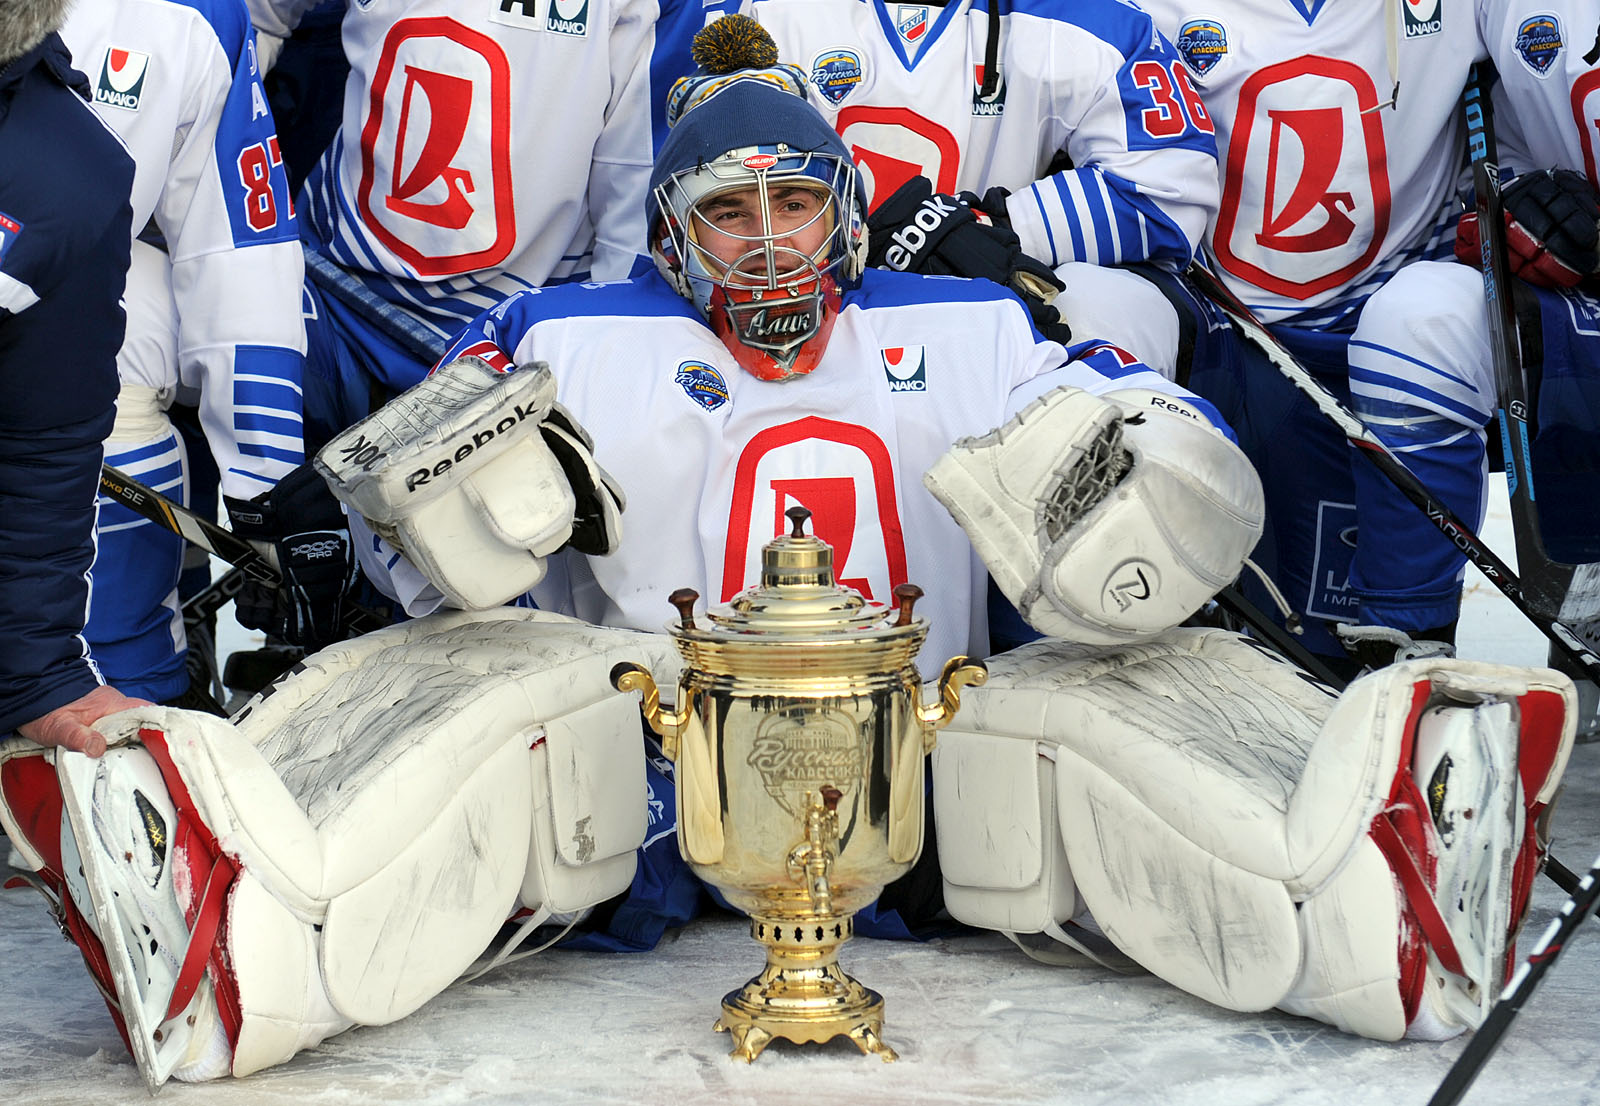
(803, 995)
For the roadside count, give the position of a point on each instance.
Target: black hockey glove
(304, 524)
(1552, 229)
(597, 522)
(918, 230)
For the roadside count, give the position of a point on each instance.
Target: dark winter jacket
(64, 234)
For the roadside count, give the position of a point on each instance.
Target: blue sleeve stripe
(264, 481)
(1069, 219)
(1398, 356)
(267, 363)
(268, 424)
(1419, 395)
(271, 395)
(162, 479)
(129, 460)
(1055, 257)
(270, 453)
(1098, 202)
(1130, 228)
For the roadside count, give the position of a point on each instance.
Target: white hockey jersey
(1327, 188)
(177, 80)
(491, 145)
(1547, 104)
(904, 86)
(710, 457)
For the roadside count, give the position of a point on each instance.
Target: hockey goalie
(355, 838)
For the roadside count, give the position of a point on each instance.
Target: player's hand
(307, 529)
(1552, 229)
(918, 230)
(68, 726)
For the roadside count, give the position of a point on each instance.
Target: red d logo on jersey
(841, 473)
(1305, 197)
(892, 145)
(435, 149)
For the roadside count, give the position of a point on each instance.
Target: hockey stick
(1370, 446)
(1484, 1042)
(213, 597)
(412, 336)
(256, 561)
(1570, 592)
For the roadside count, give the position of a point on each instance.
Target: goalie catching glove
(1104, 519)
(1552, 229)
(477, 476)
(918, 230)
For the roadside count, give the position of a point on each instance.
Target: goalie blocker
(350, 844)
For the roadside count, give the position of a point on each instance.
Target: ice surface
(974, 1021)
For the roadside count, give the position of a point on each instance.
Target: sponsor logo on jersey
(906, 367)
(911, 20)
(703, 384)
(435, 183)
(9, 229)
(995, 102)
(1539, 43)
(1422, 17)
(836, 73)
(841, 472)
(1203, 43)
(569, 17)
(1330, 595)
(523, 14)
(122, 76)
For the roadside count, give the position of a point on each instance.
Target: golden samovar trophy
(799, 735)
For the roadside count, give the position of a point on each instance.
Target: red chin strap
(763, 364)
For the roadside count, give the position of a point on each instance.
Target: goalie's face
(755, 238)
(758, 244)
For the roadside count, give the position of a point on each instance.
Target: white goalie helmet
(757, 215)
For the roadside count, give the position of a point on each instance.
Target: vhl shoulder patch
(906, 367)
(9, 230)
(1539, 43)
(122, 75)
(1423, 17)
(703, 384)
(569, 17)
(1203, 43)
(836, 73)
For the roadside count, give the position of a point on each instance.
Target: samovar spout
(812, 859)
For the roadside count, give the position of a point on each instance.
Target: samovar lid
(799, 598)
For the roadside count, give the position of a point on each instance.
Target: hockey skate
(142, 871)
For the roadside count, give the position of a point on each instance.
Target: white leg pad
(1216, 811)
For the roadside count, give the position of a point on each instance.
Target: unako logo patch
(569, 17)
(1422, 17)
(122, 75)
(906, 367)
(995, 102)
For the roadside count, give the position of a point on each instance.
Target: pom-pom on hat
(730, 51)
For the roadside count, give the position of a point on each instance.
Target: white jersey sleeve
(178, 80)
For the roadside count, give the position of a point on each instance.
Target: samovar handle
(668, 724)
(958, 672)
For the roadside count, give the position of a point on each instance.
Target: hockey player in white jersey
(213, 308)
(484, 149)
(988, 101)
(347, 848)
(1421, 370)
(1338, 127)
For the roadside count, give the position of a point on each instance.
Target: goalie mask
(757, 216)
